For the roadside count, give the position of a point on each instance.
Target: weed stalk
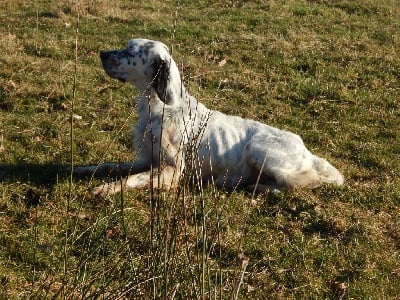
(71, 183)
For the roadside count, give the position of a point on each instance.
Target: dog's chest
(157, 131)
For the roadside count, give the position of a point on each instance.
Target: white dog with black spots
(174, 132)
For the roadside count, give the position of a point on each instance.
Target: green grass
(327, 70)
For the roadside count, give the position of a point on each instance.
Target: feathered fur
(175, 131)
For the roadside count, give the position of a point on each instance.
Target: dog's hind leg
(281, 163)
(291, 166)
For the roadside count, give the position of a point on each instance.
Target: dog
(176, 133)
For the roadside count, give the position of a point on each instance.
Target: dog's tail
(327, 172)
(318, 173)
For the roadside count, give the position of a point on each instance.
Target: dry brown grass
(327, 70)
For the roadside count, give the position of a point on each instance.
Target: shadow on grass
(37, 174)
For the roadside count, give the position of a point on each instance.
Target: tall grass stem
(71, 177)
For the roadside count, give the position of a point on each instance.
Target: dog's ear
(161, 79)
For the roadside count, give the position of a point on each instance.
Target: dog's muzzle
(104, 55)
(111, 61)
(109, 58)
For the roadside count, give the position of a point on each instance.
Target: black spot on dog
(147, 47)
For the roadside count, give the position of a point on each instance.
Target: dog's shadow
(51, 173)
(36, 180)
(36, 174)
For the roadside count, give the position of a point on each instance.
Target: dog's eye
(131, 50)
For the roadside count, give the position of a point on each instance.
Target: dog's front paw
(105, 189)
(101, 191)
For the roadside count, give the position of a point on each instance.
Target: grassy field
(327, 70)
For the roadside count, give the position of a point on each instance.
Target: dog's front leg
(111, 169)
(166, 179)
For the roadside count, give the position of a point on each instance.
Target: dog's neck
(148, 99)
(149, 103)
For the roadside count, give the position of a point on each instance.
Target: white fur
(175, 133)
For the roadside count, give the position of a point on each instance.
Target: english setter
(175, 132)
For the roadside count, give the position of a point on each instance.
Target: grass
(327, 70)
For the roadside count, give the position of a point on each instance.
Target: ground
(326, 70)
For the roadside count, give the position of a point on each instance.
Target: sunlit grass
(327, 70)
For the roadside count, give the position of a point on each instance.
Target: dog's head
(145, 64)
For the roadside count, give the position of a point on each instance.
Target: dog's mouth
(120, 79)
(114, 74)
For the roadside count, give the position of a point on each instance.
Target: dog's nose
(104, 55)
